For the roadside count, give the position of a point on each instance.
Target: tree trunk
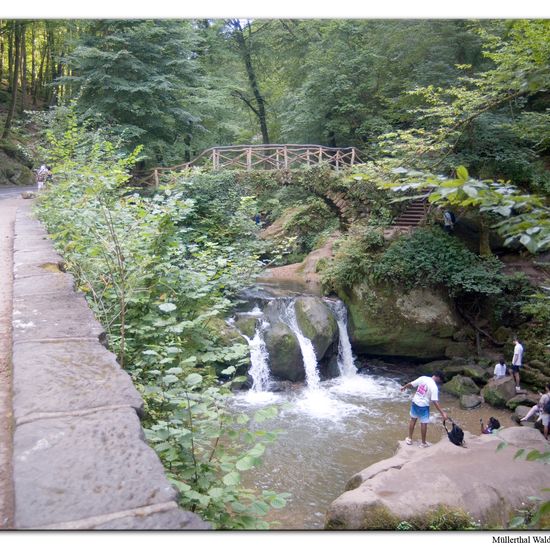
(23, 68)
(11, 109)
(484, 237)
(33, 63)
(1, 55)
(244, 50)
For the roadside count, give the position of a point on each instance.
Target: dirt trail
(7, 219)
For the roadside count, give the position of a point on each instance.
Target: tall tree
(17, 33)
(244, 45)
(136, 77)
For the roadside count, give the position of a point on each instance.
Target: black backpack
(546, 407)
(456, 435)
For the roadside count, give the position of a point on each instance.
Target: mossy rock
(476, 373)
(459, 350)
(498, 392)
(317, 323)
(460, 385)
(533, 378)
(13, 172)
(246, 324)
(386, 322)
(285, 356)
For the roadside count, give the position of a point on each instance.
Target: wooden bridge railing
(268, 157)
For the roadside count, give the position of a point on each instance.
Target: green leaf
(193, 379)
(228, 371)
(232, 478)
(245, 463)
(462, 173)
(277, 502)
(167, 307)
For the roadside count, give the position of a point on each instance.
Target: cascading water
(346, 361)
(306, 347)
(259, 360)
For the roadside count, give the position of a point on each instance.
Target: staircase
(413, 215)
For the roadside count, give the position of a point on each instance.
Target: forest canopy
(444, 92)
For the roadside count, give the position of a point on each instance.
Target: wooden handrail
(282, 155)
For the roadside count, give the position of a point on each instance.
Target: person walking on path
(427, 392)
(448, 221)
(516, 362)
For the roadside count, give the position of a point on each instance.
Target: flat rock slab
(40, 317)
(75, 468)
(478, 479)
(68, 376)
(52, 281)
(35, 262)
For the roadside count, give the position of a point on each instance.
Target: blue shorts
(422, 413)
(515, 368)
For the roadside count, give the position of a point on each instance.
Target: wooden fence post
(249, 159)
(286, 157)
(156, 174)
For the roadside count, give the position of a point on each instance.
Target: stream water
(332, 429)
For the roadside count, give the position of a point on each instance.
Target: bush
(431, 258)
(354, 260)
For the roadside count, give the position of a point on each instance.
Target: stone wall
(80, 457)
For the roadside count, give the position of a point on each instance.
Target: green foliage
(309, 223)
(160, 273)
(430, 257)
(136, 77)
(206, 449)
(355, 258)
(443, 518)
(518, 217)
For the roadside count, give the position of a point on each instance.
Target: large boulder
(285, 356)
(417, 324)
(470, 401)
(499, 392)
(415, 483)
(460, 385)
(317, 323)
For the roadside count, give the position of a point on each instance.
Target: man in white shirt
(516, 361)
(427, 392)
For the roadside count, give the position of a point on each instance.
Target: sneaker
(424, 445)
(408, 441)
(518, 388)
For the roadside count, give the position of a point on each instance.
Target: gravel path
(7, 217)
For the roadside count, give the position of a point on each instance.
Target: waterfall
(346, 362)
(259, 360)
(306, 347)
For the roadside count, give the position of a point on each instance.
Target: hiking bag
(456, 435)
(546, 407)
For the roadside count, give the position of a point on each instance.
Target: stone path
(73, 454)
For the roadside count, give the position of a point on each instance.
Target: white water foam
(346, 361)
(306, 347)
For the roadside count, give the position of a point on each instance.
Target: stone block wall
(80, 457)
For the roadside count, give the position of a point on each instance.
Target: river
(334, 428)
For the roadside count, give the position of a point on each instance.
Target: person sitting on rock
(492, 425)
(539, 409)
(500, 369)
(427, 392)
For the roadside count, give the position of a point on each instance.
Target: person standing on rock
(427, 392)
(516, 361)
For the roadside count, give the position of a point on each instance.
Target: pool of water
(333, 432)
